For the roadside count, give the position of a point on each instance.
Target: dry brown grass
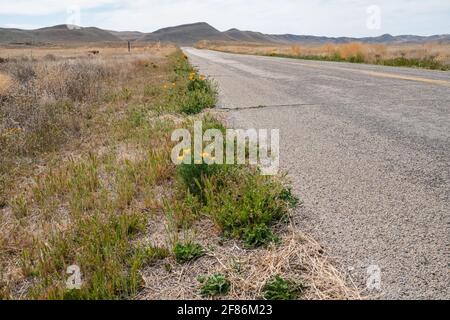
(370, 52)
(298, 257)
(52, 97)
(6, 83)
(57, 112)
(61, 52)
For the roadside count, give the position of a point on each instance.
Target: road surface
(368, 151)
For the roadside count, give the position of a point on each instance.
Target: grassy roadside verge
(424, 63)
(106, 197)
(351, 53)
(92, 209)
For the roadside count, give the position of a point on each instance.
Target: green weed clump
(278, 288)
(425, 63)
(241, 202)
(214, 285)
(188, 252)
(195, 92)
(247, 207)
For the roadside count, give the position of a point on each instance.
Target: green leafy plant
(286, 195)
(258, 235)
(188, 252)
(198, 100)
(214, 285)
(195, 93)
(247, 207)
(278, 288)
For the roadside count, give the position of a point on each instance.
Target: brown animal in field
(94, 52)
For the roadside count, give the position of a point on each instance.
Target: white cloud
(324, 17)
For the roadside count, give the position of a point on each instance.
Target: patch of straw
(298, 257)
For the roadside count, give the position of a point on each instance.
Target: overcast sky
(316, 17)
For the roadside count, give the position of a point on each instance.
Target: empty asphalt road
(368, 151)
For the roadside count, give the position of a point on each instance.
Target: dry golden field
(353, 52)
(71, 51)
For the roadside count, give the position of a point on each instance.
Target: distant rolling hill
(56, 34)
(188, 35)
(128, 35)
(250, 36)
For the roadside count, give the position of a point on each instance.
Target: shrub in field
(46, 103)
(78, 81)
(23, 72)
(42, 127)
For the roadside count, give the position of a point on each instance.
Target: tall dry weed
(6, 83)
(353, 49)
(328, 49)
(49, 100)
(296, 50)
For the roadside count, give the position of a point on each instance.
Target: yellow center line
(382, 74)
